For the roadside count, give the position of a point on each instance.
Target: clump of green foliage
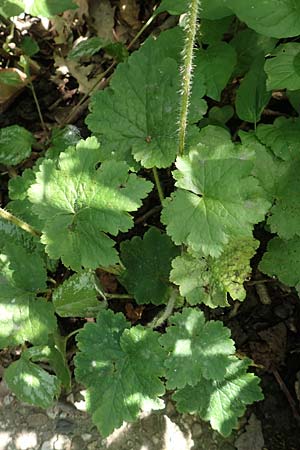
(82, 193)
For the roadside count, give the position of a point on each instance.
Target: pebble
(197, 430)
(47, 445)
(26, 440)
(77, 443)
(37, 420)
(86, 436)
(62, 443)
(93, 445)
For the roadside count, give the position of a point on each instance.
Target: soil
(267, 329)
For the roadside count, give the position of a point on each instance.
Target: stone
(197, 430)
(62, 442)
(77, 443)
(47, 445)
(37, 420)
(86, 436)
(26, 440)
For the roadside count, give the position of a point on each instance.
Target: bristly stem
(158, 185)
(187, 69)
(19, 223)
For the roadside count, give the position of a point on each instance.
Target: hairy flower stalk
(187, 69)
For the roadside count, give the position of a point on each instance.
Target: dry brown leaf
(9, 92)
(103, 15)
(129, 12)
(253, 438)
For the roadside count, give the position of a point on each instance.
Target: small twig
(37, 106)
(19, 223)
(287, 394)
(148, 214)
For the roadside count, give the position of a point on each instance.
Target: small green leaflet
(28, 270)
(32, 384)
(282, 137)
(215, 66)
(252, 96)
(15, 144)
(24, 317)
(87, 47)
(77, 296)
(18, 185)
(10, 8)
(213, 208)
(46, 8)
(221, 402)
(282, 69)
(285, 214)
(195, 349)
(54, 356)
(147, 264)
(210, 9)
(249, 45)
(282, 260)
(267, 168)
(208, 280)
(62, 138)
(80, 204)
(275, 18)
(120, 368)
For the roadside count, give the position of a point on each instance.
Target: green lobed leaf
(252, 96)
(282, 137)
(27, 268)
(267, 168)
(196, 349)
(15, 144)
(77, 296)
(120, 368)
(62, 138)
(223, 401)
(249, 45)
(80, 204)
(275, 18)
(32, 384)
(147, 264)
(212, 31)
(46, 8)
(285, 213)
(208, 280)
(213, 208)
(210, 9)
(18, 185)
(87, 47)
(281, 68)
(10, 8)
(54, 356)
(23, 317)
(136, 118)
(215, 65)
(282, 260)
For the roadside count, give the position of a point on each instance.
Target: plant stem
(187, 70)
(19, 223)
(157, 321)
(141, 31)
(158, 185)
(113, 296)
(37, 106)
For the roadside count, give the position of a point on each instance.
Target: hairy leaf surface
(80, 204)
(221, 402)
(195, 349)
(213, 208)
(120, 368)
(208, 280)
(148, 264)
